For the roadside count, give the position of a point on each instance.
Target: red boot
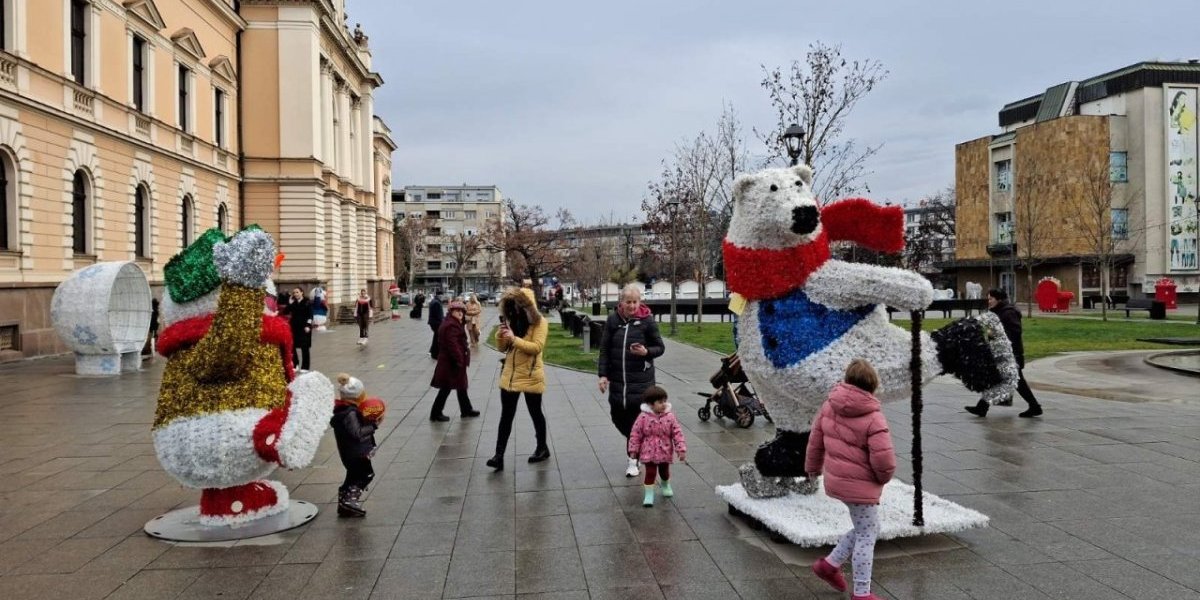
(830, 574)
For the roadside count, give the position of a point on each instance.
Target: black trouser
(433, 345)
(508, 410)
(439, 402)
(363, 325)
(300, 357)
(1022, 389)
(624, 416)
(359, 473)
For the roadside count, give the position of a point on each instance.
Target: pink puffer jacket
(851, 444)
(656, 438)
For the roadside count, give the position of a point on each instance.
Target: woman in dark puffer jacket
(628, 348)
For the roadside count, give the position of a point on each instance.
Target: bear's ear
(741, 184)
(805, 172)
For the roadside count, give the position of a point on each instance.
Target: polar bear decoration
(807, 315)
(231, 408)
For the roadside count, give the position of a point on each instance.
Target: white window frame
(11, 199)
(191, 97)
(14, 27)
(91, 47)
(221, 124)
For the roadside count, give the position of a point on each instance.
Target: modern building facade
(1140, 121)
(121, 139)
(452, 222)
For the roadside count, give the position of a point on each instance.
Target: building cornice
(226, 12)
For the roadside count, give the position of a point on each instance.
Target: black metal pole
(917, 458)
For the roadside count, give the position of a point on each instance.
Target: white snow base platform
(818, 520)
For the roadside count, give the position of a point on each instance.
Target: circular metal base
(184, 525)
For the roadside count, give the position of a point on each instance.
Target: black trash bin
(596, 308)
(581, 323)
(597, 331)
(567, 315)
(1158, 310)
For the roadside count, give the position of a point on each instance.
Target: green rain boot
(666, 489)
(648, 499)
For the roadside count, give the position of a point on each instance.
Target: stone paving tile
(1094, 500)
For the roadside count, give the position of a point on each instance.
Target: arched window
(141, 221)
(8, 202)
(186, 226)
(79, 212)
(223, 218)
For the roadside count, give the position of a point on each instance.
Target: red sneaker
(830, 574)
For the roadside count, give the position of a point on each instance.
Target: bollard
(587, 339)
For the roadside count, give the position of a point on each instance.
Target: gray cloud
(575, 105)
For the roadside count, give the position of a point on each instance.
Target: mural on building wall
(1181, 178)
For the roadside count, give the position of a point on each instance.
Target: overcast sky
(572, 104)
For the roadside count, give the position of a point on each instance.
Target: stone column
(343, 162)
(326, 130)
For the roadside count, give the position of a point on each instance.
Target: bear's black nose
(804, 219)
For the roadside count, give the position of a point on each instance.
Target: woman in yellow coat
(522, 338)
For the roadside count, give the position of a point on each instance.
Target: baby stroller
(732, 395)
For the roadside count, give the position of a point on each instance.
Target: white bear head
(774, 209)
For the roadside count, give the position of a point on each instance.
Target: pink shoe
(867, 597)
(830, 574)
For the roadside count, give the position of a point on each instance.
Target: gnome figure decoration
(807, 315)
(231, 409)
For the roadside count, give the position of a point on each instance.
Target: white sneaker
(632, 469)
(365, 340)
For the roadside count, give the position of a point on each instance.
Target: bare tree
(408, 245)
(1030, 231)
(532, 249)
(463, 247)
(1091, 207)
(819, 94)
(926, 243)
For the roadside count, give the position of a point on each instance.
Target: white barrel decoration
(688, 289)
(660, 290)
(103, 313)
(714, 289)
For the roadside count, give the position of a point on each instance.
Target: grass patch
(562, 349)
(1043, 337)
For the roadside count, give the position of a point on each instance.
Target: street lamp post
(792, 138)
(673, 205)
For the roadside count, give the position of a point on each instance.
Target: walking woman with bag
(474, 312)
(454, 357)
(521, 337)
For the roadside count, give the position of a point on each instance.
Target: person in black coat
(300, 315)
(454, 356)
(436, 314)
(355, 437)
(1010, 318)
(628, 347)
(418, 304)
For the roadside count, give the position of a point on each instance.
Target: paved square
(1099, 499)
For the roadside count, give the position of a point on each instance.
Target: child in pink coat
(655, 439)
(851, 444)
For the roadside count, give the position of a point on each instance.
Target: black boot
(439, 418)
(979, 410)
(542, 453)
(1035, 410)
(496, 462)
(783, 456)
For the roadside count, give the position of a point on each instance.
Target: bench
(1145, 304)
(1092, 300)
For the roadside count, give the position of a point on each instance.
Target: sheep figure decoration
(807, 315)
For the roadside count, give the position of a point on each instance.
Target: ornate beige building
(122, 138)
